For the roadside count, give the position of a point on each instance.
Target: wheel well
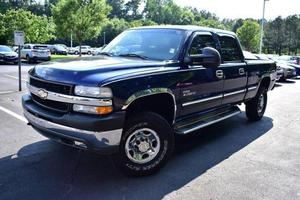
(265, 82)
(162, 104)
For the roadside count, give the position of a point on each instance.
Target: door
(234, 69)
(202, 87)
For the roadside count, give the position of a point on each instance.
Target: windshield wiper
(134, 55)
(106, 53)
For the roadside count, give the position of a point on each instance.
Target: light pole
(262, 27)
(104, 38)
(71, 40)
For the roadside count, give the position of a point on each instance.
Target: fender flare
(150, 92)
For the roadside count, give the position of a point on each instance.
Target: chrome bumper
(104, 139)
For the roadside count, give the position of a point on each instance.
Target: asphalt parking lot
(234, 159)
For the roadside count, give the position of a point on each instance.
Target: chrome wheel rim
(142, 145)
(261, 103)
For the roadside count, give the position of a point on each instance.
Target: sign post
(19, 37)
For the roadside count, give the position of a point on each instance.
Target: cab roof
(188, 28)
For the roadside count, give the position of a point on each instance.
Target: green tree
(132, 9)
(292, 24)
(114, 27)
(118, 8)
(275, 36)
(82, 18)
(249, 35)
(38, 29)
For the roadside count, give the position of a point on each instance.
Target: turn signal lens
(92, 109)
(104, 110)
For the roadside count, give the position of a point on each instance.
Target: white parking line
(6, 92)
(14, 77)
(15, 115)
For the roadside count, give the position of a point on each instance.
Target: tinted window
(200, 42)
(40, 47)
(230, 49)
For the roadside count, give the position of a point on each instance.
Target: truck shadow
(51, 171)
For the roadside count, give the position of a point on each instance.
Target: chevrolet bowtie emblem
(43, 94)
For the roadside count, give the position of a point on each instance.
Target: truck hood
(95, 70)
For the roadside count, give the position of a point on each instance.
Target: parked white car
(84, 50)
(35, 52)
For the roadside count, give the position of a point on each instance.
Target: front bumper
(37, 58)
(95, 133)
(289, 73)
(9, 59)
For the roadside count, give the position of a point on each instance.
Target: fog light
(92, 109)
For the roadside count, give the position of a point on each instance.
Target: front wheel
(256, 107)
(147, 143)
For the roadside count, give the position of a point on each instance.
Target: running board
(201, 122)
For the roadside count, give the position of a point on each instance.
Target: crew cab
(148, 85)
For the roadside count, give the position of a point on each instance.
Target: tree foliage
(38, 29)
(81, 18)
(87, 20)
(248, 34)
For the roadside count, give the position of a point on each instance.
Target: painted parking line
(15, 115)
(7, 92)
(14, 77)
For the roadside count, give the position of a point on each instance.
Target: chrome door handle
(241, 71)
(219, 74)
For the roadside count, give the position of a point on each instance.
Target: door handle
(219, 74)
(241, 71)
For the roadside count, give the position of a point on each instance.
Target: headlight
(92, 109)
(93, 91)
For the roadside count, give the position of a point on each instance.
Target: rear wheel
(147, 143)
(256, 107)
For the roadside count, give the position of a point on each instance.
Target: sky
(245, 8)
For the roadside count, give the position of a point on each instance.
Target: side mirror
(210, 58)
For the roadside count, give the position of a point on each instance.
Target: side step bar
(208, 120)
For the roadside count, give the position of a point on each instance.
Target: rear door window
(230, 49)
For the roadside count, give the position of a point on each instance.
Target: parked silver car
(35, 52)
(284, 71)
(7, 55)
(84, 50)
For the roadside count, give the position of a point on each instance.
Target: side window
(199, 42)
(230, 50)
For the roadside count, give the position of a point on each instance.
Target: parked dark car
(7, 55)
(149, 85)
(57, 49)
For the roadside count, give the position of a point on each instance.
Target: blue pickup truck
(148, 85)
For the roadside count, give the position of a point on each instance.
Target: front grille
(50, 86)
(53, 87)
(49, 104)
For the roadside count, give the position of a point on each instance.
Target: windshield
(157, 44)
(5, 49)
